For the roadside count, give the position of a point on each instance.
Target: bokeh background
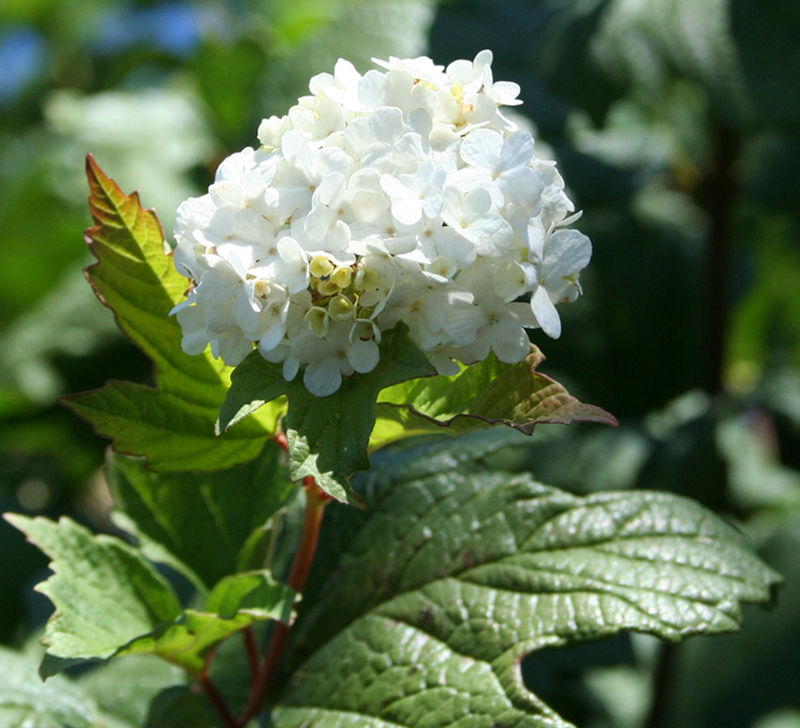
(676, 124)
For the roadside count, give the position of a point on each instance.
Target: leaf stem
(316, 500)
(281, 439)
(251, 646)
(211, 692)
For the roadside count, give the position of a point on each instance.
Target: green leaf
(172, 425)
(111, 602)
(188, 640)
(484, 394)
(178, 707)
(236, 602)
(125, 688)
(427, 600)
(104, 592)
(732, 680)
(254, 592)
(27, 702)
(199, 523)
(327, 436)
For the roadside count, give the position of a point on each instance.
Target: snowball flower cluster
(400, 195)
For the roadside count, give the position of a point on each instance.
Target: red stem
(280, 438)
(316, 500)
(204, 681)
(251, 646)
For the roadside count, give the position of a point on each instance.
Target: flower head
(400, 195)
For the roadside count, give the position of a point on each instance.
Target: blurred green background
(676, 124)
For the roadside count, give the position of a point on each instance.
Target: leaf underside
(172, 425)
(488, 393)
(452, 575)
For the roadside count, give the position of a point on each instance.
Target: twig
(211, 692)
(316, 500)
(251, 647)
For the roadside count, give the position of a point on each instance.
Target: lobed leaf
(488, 393)
(434, 594)
(111, 602)
(327, 436)
(172, 425)
(104, 592)
(202, 524)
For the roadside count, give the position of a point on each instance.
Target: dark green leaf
(179, 707)
(452, 575)
(328, 436)
(172, 425)
(202, 520)
(125, 688)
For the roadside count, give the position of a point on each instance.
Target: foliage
(439, 530)
(172, 425)
(634, 100)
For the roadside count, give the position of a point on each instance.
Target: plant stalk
(207, 687)
(251, 646)
(718, 194)
(316, 500)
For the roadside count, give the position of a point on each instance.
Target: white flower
(328, 359)
(416, 194)
(501, 165)
(292, 268)
(471, 216)
(490, 323)
(564, 253)
(402, 195)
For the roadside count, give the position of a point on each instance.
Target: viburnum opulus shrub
(371, 271)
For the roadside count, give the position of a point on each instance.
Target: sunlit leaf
(487, 393)
(111, 602)
(104, 592)
(172, 425)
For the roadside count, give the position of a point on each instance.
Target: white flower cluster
(399, 195)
